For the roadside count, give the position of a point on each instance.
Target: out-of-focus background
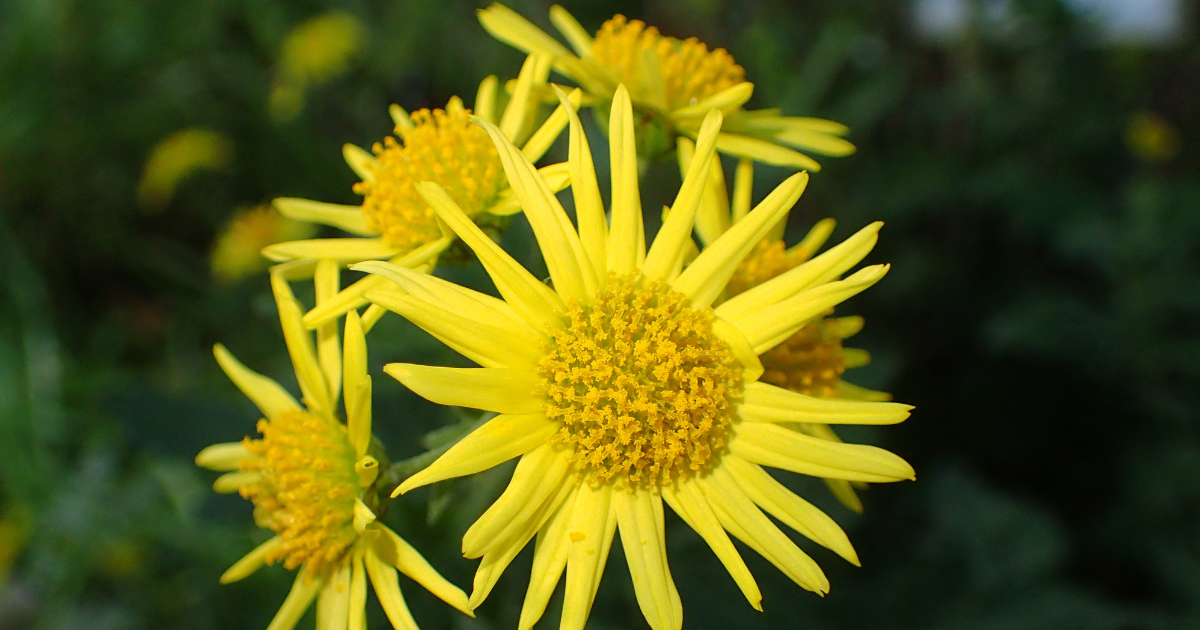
(1036, 164)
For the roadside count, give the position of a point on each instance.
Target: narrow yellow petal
(500, 439)
(707, 276)
(843, 491)
(400, 117)
(329, 351)
(270, 397)
(343, 250)
(358, 594)
(395, 551)
(232, 481)
(538, 304)
(557, 176)
(678, 227)
(725, 101)
(544, 137)
(772, 445)
(509, 27)
(347, 218)
(589, 207)
(743, 519)
(387, 589)
(591, 531)
(763, 402)
(333, 604)
(485, 98)
(513, 120)
(790, 509)
(503, 390)
(250, 562)
(549, 561)
(752, 368)
(569, 267)
(743, 189)
(486, 344)
(821, 143)
(360, 161)
(624, 241)
(768, 122)
(829, 265)
(765, 152)
(855, 357)
(646, 554)
(300, 348)
(854, 392)
(689, 503)
(712, 218)
(770, 326)
(538, 477)
(812, 241)
(575, 34)
(363, 516)
(357, 385)
(304, 591)
(222, 457)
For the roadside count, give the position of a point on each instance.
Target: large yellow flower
(622, 387)
(442, 146)
(673, 84)
(312, 479)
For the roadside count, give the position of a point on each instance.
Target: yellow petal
(775, 446)
(270, 397)
(333, 604)
(537, 303)
(640, 522)
(686, 499)
(744, 520)
(843, 491)
(765, 152)
(358, 594)
(500, 439)
(854, 392)
(752, 368)
(363, 516)
(770, 326)
(790, 509)
(329, 352)
(346, 218)
(817, 271)
(387, 589)
(589, 207)
(222, 457)
(812, 241)
(485, 99)
(678, 227)
(544, 137)
(400, 117)
(395, 551)
(300, 348)
(707, 276)
(233, 481)
(549, 560)
(537, 478)
(509, 27)
(763, 402)
(343, 250)
(591, 531)
(625, 243)
(570, 269)
(570, 29)
(360, 161)
(712, 218)
(533, 71)
(304, 591)
(250, 562)
(814, 141)
(503, 390)
(357, 385)
(743, 189)
(725, 101)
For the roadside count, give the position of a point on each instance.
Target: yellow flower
(312, 477)
(673, 84)
(622, 387)
(394, 222)
(177, 157)
(316, 51)
(238, 250)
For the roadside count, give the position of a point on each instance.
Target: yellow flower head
(394, 222)
(623, 386)
(314, 52)
(312, 477)
(673, 84)
(238, 250)
(176, 158)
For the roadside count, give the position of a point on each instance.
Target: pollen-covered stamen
(690, 70)
(307, 488)
(644, 390)
(443, 147)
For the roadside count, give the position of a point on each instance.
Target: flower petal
(503, 390)
(333, 604)
(549, 560)
(625, 240)
(687, 500)
(485, 98)
(270, 397)
(394, 550)
(639, 517)
(589, 207)
(712, 218)
(343, 250)
(360, 161)
(250, 562)
(544, 137)
(778, 447)
(304, 591)
(387, 589)
(534, 71)
(765, 152)
(300, 347)
(763, 402)
(743, 190)
(329, 352)
(357, 385)
(347, 218)
(725, 101)
(358, 594)
(537, 478)
(222, 457)
(593, 523)
(570, 29)
(500, 439)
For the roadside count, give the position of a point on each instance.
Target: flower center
(809, 362)
(643, 388)
(444, 147)
(690, 70)
(307, 488)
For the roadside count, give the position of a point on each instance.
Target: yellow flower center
(690, 71)
(643, 388)
(442, 147)
(307, 488)
(809, 362)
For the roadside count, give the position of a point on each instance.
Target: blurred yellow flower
(673, 84)
(178, 156)
(1152, 138)
(316, 51)
(440, 146)
(620, 387)
(312, 477)
(237, 252)
(15, 527)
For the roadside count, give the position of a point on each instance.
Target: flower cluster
(671, 370)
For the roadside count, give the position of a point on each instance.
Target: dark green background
(1041, 312)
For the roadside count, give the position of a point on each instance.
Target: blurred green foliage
(1041, 312)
